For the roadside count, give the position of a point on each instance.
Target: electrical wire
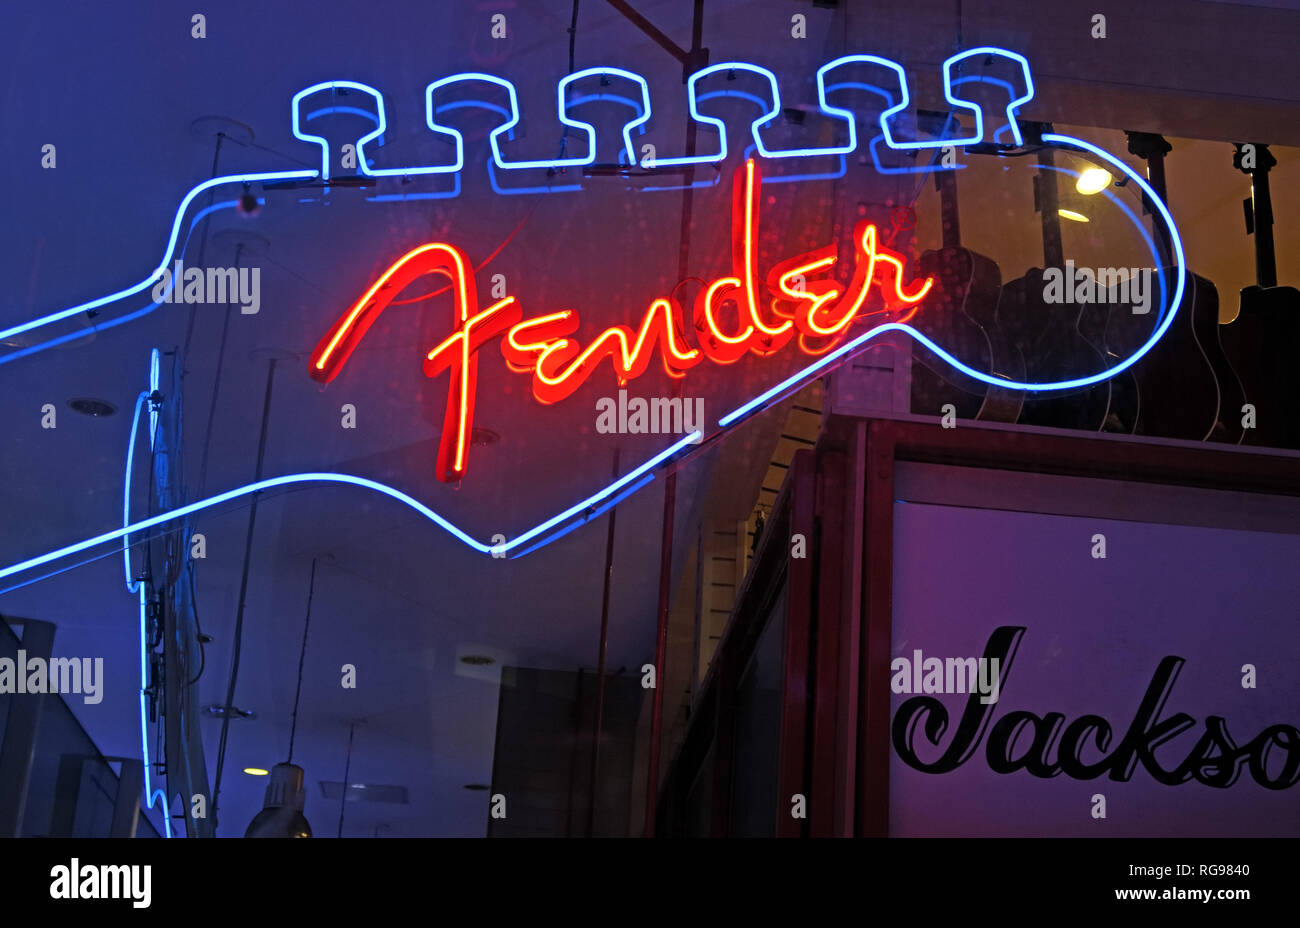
(347, 774)
(486, 261)
(302, 657)
(198, 629)
(279, 154)
(216, 389)
(203, 248)
(243, 593)
(573, 40)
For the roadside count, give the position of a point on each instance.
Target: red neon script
(458, 352)
(818, 311)
(803, 297)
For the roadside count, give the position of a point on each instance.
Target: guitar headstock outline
(591, 506)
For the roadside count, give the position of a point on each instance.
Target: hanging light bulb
(281, 815)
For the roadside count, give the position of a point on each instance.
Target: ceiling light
(1071, 214)
(365, 792)
(256, 771)
(281, 815)
(94, 408)
(1093, 180)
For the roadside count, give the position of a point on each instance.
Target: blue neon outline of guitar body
(601, 500)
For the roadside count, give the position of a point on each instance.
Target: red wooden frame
(835, 738)
(858, 748)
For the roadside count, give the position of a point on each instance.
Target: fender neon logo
(769, 313)
(818, 314)
(476, 330)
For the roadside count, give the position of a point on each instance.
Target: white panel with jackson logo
(1162, 676)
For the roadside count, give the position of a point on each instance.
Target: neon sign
(893, 90)
(747, 311)
(541, 345)
(769, 311)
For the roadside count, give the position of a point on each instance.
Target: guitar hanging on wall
(1261, 340)
(962, 310)
(1188, 387)
(1047, 333)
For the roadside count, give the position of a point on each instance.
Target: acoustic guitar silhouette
(966, 285)
(1185, 381)
(1048, 334)
(1262, 339)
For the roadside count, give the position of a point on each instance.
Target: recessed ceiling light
(1072, 215)
(477, 660)
(88, 406)
(483, 437)
(256, 772)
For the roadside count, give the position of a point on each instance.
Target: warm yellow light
(1071, 214)
(256, 772)
(1093, 180)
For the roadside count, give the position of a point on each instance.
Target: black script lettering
(1002, 645)
(1143, 737)
(1259, 749)
(1216, 760)
(1002, 741)
(1071, 753)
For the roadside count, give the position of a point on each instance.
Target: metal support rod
(203, 248)
(1152, 149)
(1049, 204)
(661, 647)
(656, 36)
(347, 778)
(1156, 170)
(600, 664)
(243, 594)
(670, 482)
(1262, 207)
